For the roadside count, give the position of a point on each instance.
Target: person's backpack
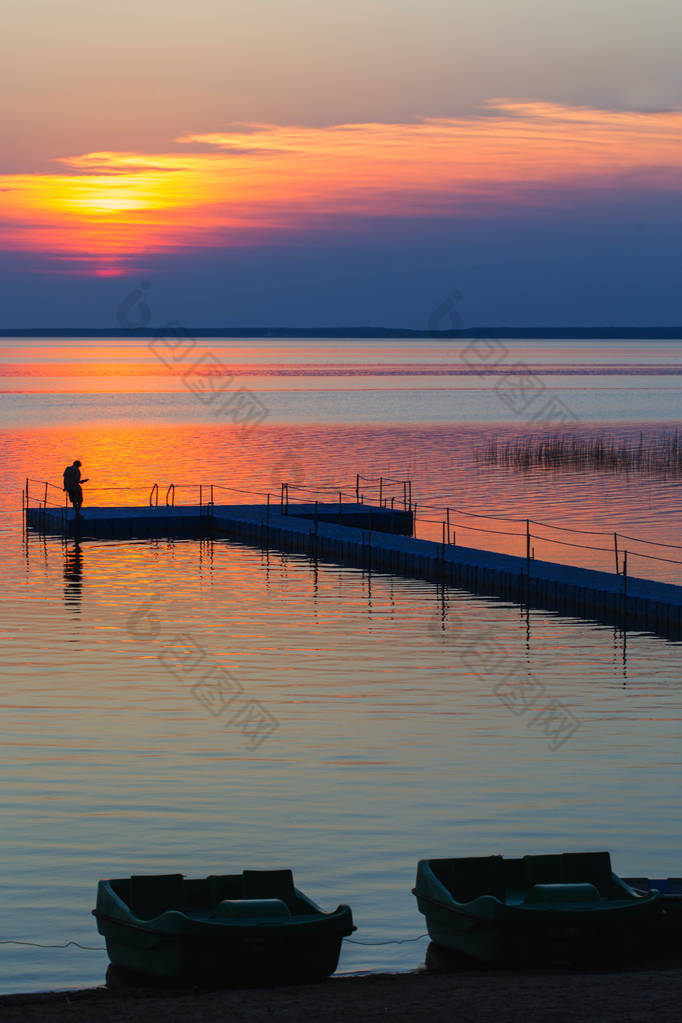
(69, 477)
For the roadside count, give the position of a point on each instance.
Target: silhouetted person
(72, 485)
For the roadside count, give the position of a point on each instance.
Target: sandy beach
(472, 995)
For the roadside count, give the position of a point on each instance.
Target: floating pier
(214, 520)
(380, 538)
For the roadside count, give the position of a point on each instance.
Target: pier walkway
(380, 538)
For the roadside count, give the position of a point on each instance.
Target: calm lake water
(391, 742)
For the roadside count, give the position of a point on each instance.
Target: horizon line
(653, 333)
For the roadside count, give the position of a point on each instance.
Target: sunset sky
(279, 163)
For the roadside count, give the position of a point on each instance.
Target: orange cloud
(242, 185)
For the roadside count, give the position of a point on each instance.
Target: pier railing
(448, 525)
(620, 549)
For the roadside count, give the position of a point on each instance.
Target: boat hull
(228, 931)
(246, 962)
(543, 942)
(667, 937)
(505, 916)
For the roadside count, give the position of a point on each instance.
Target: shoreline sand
(467, 995)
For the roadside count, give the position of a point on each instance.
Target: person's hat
(77, 462)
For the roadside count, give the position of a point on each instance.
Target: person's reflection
(73, 575)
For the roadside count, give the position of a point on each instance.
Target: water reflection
(73, 574)
(482, 646)
(403, 727)
(415, 719)
(449, 474)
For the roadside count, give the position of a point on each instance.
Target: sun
(104, 195)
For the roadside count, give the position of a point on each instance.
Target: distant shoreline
(355, 333)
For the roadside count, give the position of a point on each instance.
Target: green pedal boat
(537, 909)
(668, 936)
(252, 928)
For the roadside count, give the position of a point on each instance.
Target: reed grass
(657, 456)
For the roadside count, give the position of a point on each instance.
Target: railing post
(45, 502)
(381, 491)
(528, 546)
(405, 495)
(414, 520)
(615, 548)
(357, 487)
(339, 505)
(442, 546)
(409, 492)
(447, 512)
(625, 580)
(211, 494)
(26, 486)
(201, 496)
